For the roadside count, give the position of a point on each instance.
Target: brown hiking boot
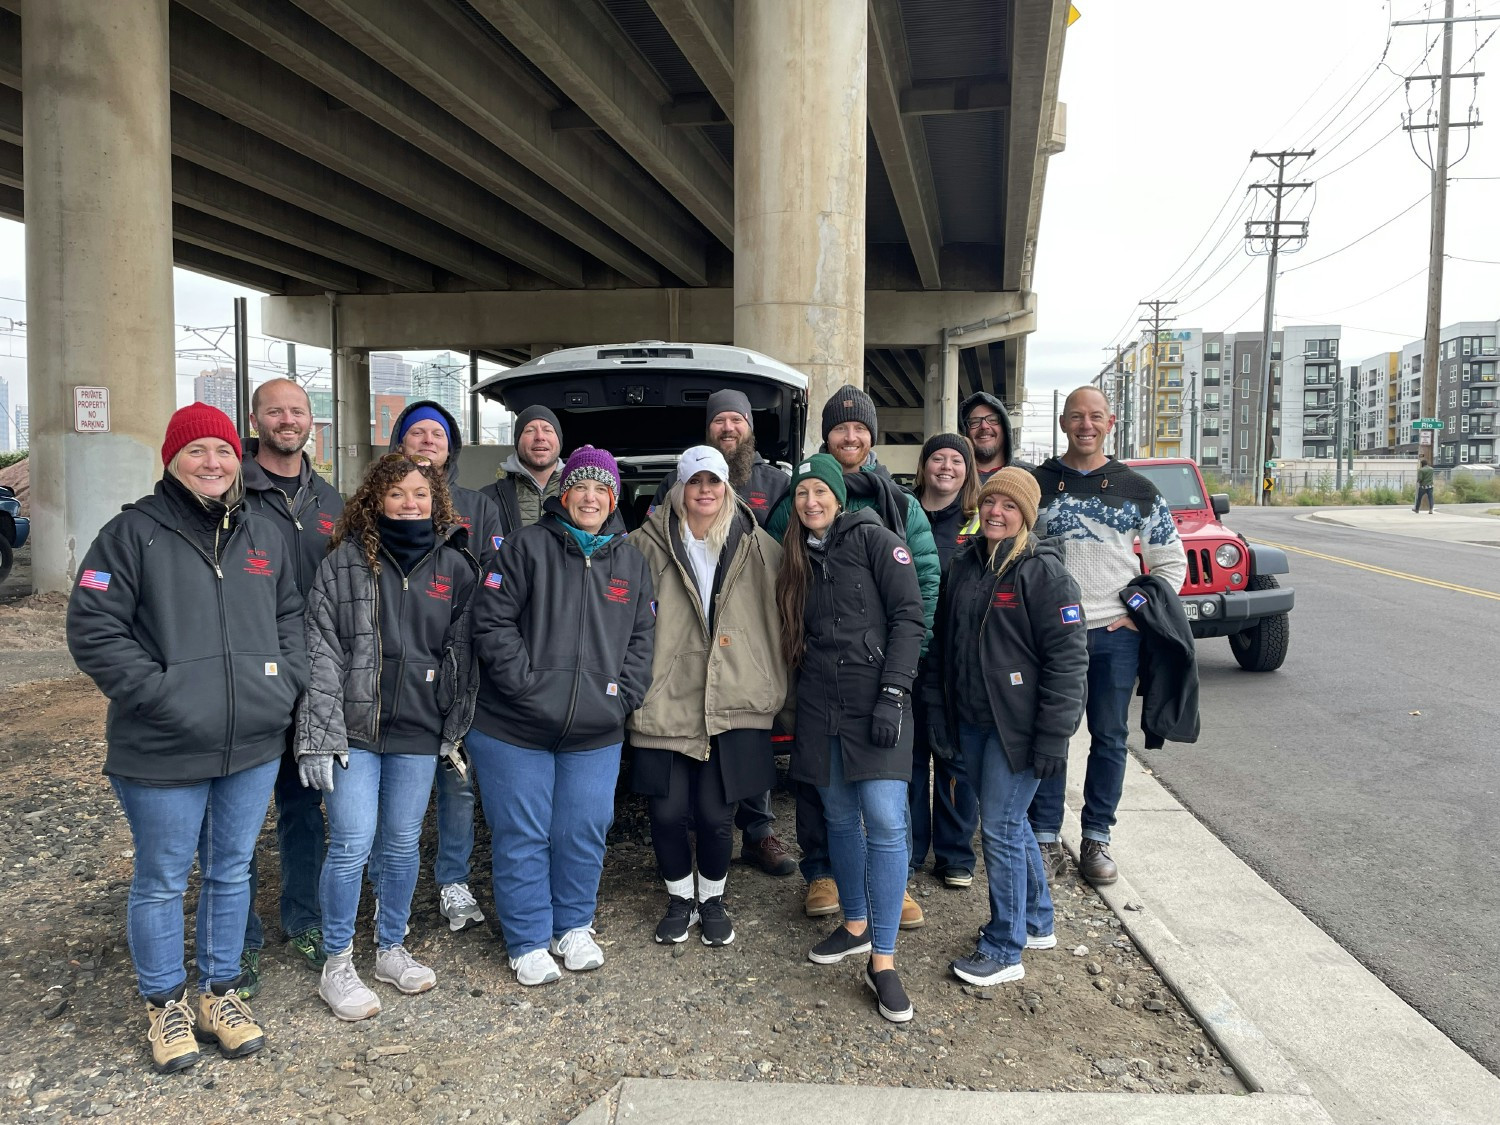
(1095, 865)
(1054, 859)
(228, 1021)
(173, 1047)
(822, 898)
(770, 855)
(911, 914)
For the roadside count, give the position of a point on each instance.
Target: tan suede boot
(173, 1047)
(228, 1021)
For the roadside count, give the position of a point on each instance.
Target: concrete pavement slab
(1468, 524)
(1279, 995)
(664, 1102)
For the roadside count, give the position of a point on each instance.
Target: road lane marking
(1382, 570)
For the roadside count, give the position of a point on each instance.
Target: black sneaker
(890, 997)
(982, 969)
(680, 918)
(838, 945)
(718, 929)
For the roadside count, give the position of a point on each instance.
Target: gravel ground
(1090, 1015)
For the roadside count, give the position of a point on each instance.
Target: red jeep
(1231, 588)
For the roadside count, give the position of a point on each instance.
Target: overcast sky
(1166, 99)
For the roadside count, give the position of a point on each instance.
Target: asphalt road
(1361, 779)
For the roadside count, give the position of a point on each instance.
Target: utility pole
(1108, 381)
(1269, 233)
(1430, 359)
(1338, 429)
(1154, 320)
(1193, 416)
(1056, 413)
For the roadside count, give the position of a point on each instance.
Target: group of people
(932, 651)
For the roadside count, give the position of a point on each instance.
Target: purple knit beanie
(588, 463)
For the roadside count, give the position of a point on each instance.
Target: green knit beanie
(826, 469)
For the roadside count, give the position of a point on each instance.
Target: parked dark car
(14, 528)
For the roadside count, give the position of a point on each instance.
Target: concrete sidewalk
(1449, 523)
(1314, 1034)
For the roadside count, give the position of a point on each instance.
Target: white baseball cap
(702, 459)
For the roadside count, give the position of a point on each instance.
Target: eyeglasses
(983, 421)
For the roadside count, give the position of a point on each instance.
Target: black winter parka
(564, 641)
(863, 628)
(304, 519)
(200, 653)
(1033, 648)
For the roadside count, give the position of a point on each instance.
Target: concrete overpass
(854, 188)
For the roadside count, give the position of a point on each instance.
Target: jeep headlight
(1227, 555)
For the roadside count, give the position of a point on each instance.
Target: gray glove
(316, 769)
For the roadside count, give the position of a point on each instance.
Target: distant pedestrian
(1424, 486)
(186, 615)
(852, 625)
(281, 485)
(702, 739)
(1099, 509)
(391, 690)
(563, 629)
(1005, 681)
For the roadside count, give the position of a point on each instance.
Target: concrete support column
(799, 187)
(940, 390)
(353, 405)
(98, 263)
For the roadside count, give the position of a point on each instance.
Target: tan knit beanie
(1020, 486)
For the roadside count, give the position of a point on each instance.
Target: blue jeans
(869, 860)
(218, 820)
(548, 815)
(455, 830)
(391, 791)
(944, 810)
(302, 843)
(1114, 660)
(1020, 902)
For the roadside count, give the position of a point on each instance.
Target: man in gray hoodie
(530, 474)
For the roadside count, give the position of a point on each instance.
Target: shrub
(9, 459)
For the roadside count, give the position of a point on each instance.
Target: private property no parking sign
(91, 410)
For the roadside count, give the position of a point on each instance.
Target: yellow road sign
(1073, 15)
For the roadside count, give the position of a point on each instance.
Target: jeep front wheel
(1262, 647)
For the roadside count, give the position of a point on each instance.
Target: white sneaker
(578, 949)
(375, 925)
(1041, 941)
(398, 967)
(537, 967)
(459, 906)
(343, 991)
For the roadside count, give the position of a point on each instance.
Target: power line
(1361, 238)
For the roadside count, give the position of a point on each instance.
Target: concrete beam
(594, 68)
(213, 233)
(213, 69)
(1037, 33)
(901, 142)
(899, 421)
(955, 95)
(210, 263)
(470, 78)
(704, 32)
(485, 320)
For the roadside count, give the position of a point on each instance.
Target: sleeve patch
(497, 540)
(1136, 600)
(95, 580)
(1071, 614)
(493, 580)
(902, 556)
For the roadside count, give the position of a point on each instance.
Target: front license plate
(1191, 610)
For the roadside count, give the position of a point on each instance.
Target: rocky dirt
(1090, 1015)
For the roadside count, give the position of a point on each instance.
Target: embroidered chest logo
(466, 522)
(325, 524)
(441, 587)
(618, 592)
(258, 562)
(758, 501)
(1006, 598)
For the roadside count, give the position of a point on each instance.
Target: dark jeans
(1423, 490)
(944, 809)
(1114, 658)
(753, 817)
(303, 844)
(812, 832)
(694, 803)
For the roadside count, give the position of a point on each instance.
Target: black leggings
(695, 798)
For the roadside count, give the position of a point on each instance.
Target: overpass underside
(852, 188)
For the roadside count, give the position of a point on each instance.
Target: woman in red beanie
(187, 617)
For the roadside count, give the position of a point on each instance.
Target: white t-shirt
(702, 564)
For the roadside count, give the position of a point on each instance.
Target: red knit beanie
(194, 421)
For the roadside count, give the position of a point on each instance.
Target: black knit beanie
(532, 414)
(850, 404)
(948, 441)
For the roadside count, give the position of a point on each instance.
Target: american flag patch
(493, 580)
(95, 580)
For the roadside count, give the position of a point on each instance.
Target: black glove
(939, 742)
(1048, 765)
(885, 719)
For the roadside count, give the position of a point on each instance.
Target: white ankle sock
(710, 888)
(680, 888)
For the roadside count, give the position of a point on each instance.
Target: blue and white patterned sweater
(1095, 519)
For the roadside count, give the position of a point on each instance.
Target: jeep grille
(1200, 567)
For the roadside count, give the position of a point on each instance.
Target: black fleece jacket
(1032, 646)
(1168, 661)
(564, 640)
(305, 518)
(192, 628)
